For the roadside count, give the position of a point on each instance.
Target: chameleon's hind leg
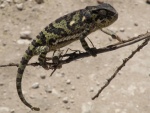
(112, 34)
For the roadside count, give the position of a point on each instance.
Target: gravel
(19, 6)
(4, 110)
(65, 100)
(39, 1)
(35, 85)
(25, 34)
(68, 81)
(42, 76)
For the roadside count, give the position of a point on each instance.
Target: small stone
(32, 96)
(25, 35)
(97, 83)
(62, 74)
(39, 1)
(1, 83)
(4, 110)
(148, 1)
(4, 44)
(35, 85)
(42, 76)
(72, 101)
(12, 111)
(91, 89)
(62, 90)
(21, 42)
(48, 89)
(68, 107)
(2, 6)
(68, 81)
(65, 100)
(135, 35)
(19, 6)
(122, 29)
(73, 88)
(135, 24)
(17, 1)
(78, 76)
(87, 107)
(9, 1)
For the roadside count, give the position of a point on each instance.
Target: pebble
(4, 110)
(35, 85)
(1, 83)
(78, 76)
(148, 1)
(62, 90)
(21, 42)
(12, 111)
(42, 76)
(91, 89)
(2, 6)
(48, 89)
(19, 6)
(68, 107)
(87, 107)
(25, 35)
(65, 100)
(39, 1)
(73, 88)
(97, 83)
(68, 81)
(135, 24)
(122, 29)
(72, 101)
(135, 35)
(17, 1)
(9, 1)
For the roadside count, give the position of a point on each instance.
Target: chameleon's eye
(102, 12)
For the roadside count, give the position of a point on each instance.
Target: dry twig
(121, 66)
(77, 55)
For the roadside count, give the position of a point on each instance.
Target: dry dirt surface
(71, 88)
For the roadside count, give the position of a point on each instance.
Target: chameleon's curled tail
(24, 61)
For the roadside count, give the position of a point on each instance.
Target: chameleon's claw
(117, 38)
(92, 52)
(35, 108)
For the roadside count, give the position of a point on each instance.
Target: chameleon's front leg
(42, 52)
(84, 44)
(42, 60)
(112, 34)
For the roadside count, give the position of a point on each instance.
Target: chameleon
(74, 26)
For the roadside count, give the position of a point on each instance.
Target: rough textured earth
(70, 89)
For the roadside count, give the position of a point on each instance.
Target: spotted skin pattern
(63, 31)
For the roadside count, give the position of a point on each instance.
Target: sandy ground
(70, 89)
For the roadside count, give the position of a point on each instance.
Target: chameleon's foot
(92, 52)
(45, 66)
(114, 36)
(35, 109)
(56, 61)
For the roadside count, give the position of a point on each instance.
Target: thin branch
(121, 66)
(77, 55)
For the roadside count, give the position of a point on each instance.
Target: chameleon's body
(65, 30)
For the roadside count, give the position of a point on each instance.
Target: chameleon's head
(103, 14)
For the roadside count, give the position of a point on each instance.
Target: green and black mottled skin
(63, 31)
